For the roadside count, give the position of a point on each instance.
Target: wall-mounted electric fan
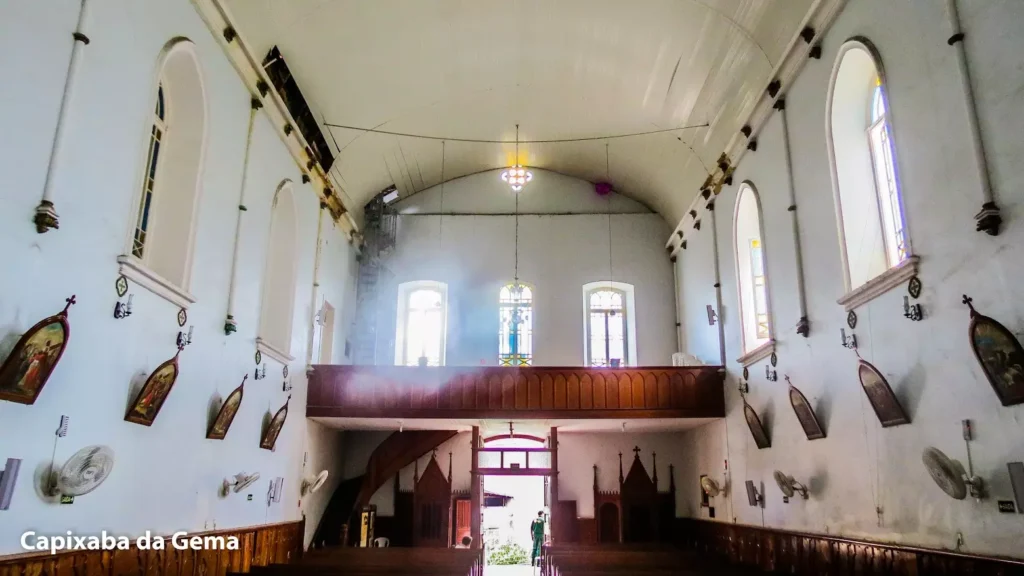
(789, 486)
(949, 474)
(240, 482)
(711, 487)
(314, 483)
(83, 472)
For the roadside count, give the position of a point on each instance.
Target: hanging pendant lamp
(516, 175)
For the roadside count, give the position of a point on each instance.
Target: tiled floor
(511, 571)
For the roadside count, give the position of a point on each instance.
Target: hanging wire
(607, 177)
(515, 277)
(440, 217)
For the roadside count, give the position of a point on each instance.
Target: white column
(46, 215)
(803, 327)
(988, 219)
(230, 325)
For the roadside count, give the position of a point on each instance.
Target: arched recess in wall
(422, 326)
(873, 237)
(756, 329)
(278, 303)
(161, 234)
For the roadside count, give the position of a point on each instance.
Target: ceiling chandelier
(517, 176)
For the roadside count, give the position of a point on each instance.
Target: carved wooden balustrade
(520, 392)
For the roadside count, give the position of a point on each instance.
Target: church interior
(559, 287)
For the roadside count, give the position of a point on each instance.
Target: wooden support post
(554, 483)
(475, 492)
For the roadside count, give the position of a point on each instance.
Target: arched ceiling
(561, 69)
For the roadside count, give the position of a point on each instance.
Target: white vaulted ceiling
(561, 69)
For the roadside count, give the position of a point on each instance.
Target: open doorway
(511, 505)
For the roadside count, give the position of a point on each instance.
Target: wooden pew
(380, 561)
(628, 560)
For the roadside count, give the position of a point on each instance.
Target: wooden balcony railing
(519, 392)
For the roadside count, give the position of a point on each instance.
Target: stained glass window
(515, 333)
(149, 177)
(606, 328)
(880, 137)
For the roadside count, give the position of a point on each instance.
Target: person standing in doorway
(537, 532)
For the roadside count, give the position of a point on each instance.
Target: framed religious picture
(219, 428)
(804, 413)
(1000, 355)
(756, 428)
(26, 370)
(887, 407)
(705, 501)
(273, 430)
(151, 397)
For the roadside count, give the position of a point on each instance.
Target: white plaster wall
(167, 475)
(558, 254)
(579, 452)
(860, 466)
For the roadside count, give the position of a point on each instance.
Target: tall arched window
(610, 339)
(277, 309)
(885, 178)
(158, 254)
(752, 276)
(874, 242)
(149, 179)
(422, 323)
(515, 334)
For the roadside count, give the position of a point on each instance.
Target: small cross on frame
(70, 301)
(968, 300)
(636, 450)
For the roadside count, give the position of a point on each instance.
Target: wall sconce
(261, 374)
(771, 375)
(712, 315)
(850, 342)
(184, 340)
(123, 310)
(287, 385)
(911, 311)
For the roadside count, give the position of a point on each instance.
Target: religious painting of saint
(274, 429)
(887, 407)
(1000, 355)
(28, 367)
(756, 428)
(805, 414)
(151, 398)
(219, 429)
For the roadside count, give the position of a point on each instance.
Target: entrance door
(463, 528)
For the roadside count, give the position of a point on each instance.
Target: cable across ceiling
(546, 141)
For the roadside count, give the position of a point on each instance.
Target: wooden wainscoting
(515, 392)
(785, 552)
(257, 546)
